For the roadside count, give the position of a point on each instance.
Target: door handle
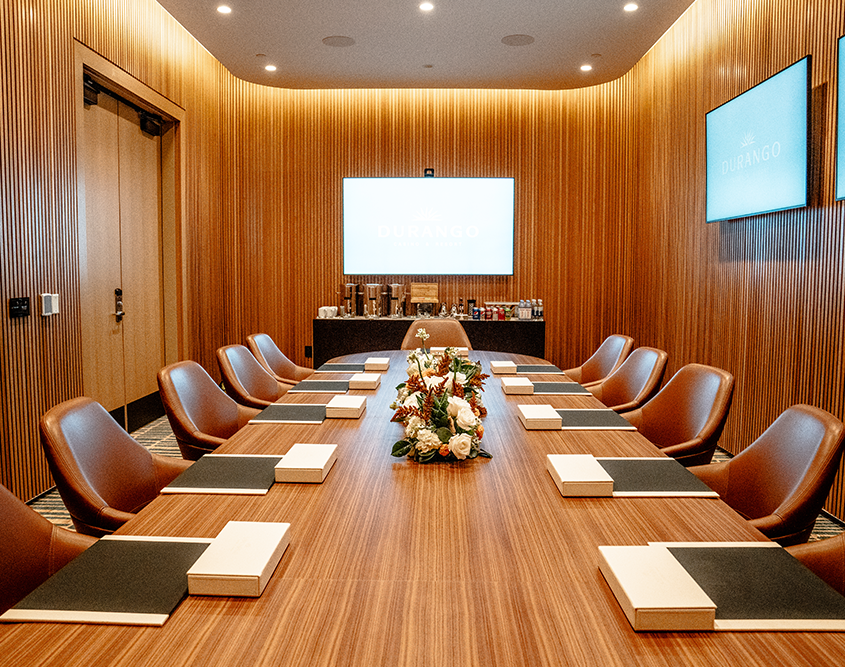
(118, 304)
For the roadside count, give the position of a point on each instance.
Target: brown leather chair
(103, 475)
(31, 549)
(634, 382)
(606, 359)
(201, 415)
(826, 558)
(443, 332)
(245, 380)
(686, 417)
(273, 360)
(781, 480)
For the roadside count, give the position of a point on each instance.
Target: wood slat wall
(610, 204)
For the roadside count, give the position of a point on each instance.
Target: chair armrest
(714, 475)
(573, 374)
(635, 417)
(167, 468)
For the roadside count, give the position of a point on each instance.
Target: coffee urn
(396, 296)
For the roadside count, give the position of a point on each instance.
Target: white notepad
(240, 560)
(306, 463)
(654, 590)
(503, 367)
(539, 417)
(365, 381)
(377, 364)
(579, 475)
(346, 406)
(517, 384)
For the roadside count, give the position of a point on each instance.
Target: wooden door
(121, 250)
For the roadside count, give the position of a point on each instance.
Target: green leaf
(484, 453)
(401, 448)
(444, 434)
(427, 457)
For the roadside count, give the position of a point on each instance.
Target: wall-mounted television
(757, 155)
(840, 123)
(428, 226)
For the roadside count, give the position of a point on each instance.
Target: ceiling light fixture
(270, 68)
(631, 7)
(426, 6)
(586, 68)
(224, 9)
(517, 40)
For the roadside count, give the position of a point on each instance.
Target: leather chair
(245, 380)
(634, 382)
(31, 549)
(781, 480)
(606, 359)
(273, 360)
(826, 558)
(103, 475)
(201, 415)
(686, 417)
(443, 332)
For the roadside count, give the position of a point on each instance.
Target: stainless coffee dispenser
(373, 291)
(348, 294)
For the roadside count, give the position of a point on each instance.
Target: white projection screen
(428, 226)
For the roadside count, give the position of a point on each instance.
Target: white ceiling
(457, 45)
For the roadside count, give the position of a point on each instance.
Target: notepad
(240, 474)
(539, 417)
(365, 381)
(502, 367)
(291, 413)
(320, 387)
(586, 475)
(602, 419)
(517, 385)
(306, 463)
(240, 560)
(120, 579)
(376, 364)
(345, 406)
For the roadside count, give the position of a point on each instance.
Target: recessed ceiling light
(224, 9)
(631, 7)
(338, 40)
(517, 40)
(428, 66)
(586, 68)
(270, 68)
(426, 6)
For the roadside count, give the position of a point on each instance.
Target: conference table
(391, 562)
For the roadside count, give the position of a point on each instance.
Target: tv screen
(428, 226)
(757, 147)
(840, 124)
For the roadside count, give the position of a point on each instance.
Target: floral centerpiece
(440, 406)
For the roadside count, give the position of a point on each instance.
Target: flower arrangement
(440, 406)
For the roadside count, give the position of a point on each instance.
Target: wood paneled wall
(610, 204)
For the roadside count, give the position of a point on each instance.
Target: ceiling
(458, 44)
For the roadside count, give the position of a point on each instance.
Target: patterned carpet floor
(158, 438)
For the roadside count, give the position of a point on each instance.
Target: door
(121, 274)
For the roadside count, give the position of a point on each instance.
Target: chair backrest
(244, 378)
(31, 549)
(196, 406)
(95, 463)
(826, 558)
(635, 381)
(691, 408)
(268, 354)
(443, 332)
(788, 470)
(606, 359)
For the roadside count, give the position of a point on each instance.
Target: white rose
(460, 378)
(413, 425)
(427, 440)
(413, 369)
(466, 419)
(411, 401)
(460, 445)
(456, 405)
(433, 381)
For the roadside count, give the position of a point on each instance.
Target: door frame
(88, 62)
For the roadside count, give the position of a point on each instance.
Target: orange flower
(444, 450)
(480, 431)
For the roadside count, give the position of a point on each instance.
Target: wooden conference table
(395, 563)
